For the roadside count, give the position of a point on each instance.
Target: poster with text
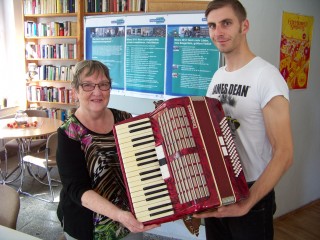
(295, 49)
(191, 60)
(157, 56)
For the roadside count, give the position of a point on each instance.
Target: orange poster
(295, 49)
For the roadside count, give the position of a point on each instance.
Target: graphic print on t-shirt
(227, 93)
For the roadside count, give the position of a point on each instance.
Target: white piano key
(127, 137)
(132, 182)
(129, 145)
(140, 187)
(137, 171)
(144, 207)
(149, 218)
(132, 152)
(149, 213)
(136, 164)
(148, 191)
(128, 124)
(152, 197)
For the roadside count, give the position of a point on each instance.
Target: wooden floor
(302, 224)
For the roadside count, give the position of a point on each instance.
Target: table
(24, 135)
(11, 234)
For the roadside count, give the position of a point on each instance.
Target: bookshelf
(54, 42)
(53, 31)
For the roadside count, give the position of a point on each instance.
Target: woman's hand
(130, 222)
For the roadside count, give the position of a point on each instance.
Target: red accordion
(179, 159)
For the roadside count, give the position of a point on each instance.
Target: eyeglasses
(88, 87)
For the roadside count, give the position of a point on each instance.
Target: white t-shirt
(243, 94)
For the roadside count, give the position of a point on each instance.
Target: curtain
(12, 67)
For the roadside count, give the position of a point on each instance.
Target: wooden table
(44, 126)
(23, 136)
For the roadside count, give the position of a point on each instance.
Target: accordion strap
(192, 224)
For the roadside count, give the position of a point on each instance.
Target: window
(12, 69)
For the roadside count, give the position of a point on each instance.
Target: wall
(300, 184)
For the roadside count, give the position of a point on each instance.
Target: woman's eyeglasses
(88, 87)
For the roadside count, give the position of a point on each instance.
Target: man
(255, 99)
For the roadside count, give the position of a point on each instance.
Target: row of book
(58, 113)
(50, 6)
(114, 5)
(51, 51)
(34, 29)
(50, 94)
(50, 72)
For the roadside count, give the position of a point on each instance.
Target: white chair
(9, 206)
(46, 160)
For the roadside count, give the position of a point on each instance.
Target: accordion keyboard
(150, 197)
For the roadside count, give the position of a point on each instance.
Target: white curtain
(12, 67)
(3, 52)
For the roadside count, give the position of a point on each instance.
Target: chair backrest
(52, 144)
(9, 206)
(36, 113)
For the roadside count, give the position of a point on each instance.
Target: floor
(38, 218)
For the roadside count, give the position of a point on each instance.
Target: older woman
(93, 202)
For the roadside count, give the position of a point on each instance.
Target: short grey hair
(92, 66)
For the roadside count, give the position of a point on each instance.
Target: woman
(93, 202)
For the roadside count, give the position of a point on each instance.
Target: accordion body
(179, 159)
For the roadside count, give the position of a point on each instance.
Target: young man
(255, 99)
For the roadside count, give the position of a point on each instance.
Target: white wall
(300, 185)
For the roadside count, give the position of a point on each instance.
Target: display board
(157, 56)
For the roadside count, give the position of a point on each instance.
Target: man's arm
(277, 121)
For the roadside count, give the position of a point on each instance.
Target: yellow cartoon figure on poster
(295, 48)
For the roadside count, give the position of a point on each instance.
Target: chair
(45, 159)
(9, 206)
(12, 146)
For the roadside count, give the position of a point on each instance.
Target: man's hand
(234, 210)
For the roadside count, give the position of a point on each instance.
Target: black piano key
(160, 212)
(148, 162)
(137, 124)
(142, 143)
(139, 129)
(150, 171)
(156, 197)
(148, 178)
(144, 152)
(146, 157)
(154, 186)
(142, 137)
(155, 191)
(159, 206)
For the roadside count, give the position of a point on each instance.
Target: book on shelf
(49, 6)
(55, 73)
(95, 6)
(51, 51)
(50, 29)
(52, 94)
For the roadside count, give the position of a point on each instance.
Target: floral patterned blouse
(93, 164)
